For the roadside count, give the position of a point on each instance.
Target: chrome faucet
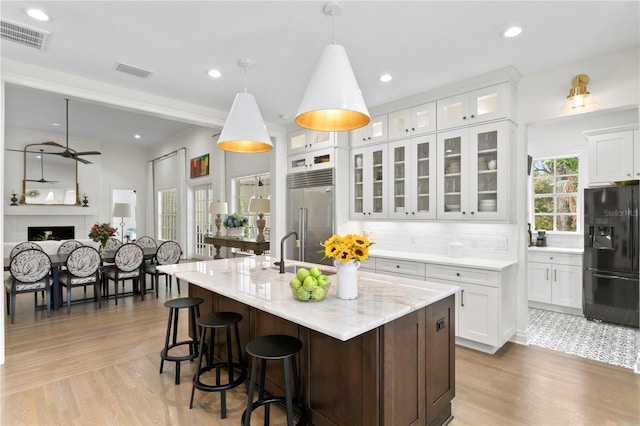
(287, 235)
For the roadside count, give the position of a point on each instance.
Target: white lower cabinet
(486, 304)
(555, 279)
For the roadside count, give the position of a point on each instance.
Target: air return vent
(129, 69)
(25, 35)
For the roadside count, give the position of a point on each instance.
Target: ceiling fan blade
(82, 160)
(42, 181)
(88, 153)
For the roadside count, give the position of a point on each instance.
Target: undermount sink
(294, 269)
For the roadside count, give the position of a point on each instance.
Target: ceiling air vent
(128, 69)
(23, 34)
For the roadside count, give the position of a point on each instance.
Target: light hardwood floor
(100, 366)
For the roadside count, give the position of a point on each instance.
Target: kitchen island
(386, 358)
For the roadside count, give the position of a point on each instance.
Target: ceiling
(423, 44)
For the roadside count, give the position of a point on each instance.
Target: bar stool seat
(211, 322)
(274, 347)
(171, 340)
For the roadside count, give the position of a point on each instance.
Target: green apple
(309, 283)
(318, 293)
(315, 272)
(295, 282)
(302, 294)
(302, 274)
(324, 281)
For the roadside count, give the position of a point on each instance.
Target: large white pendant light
(244, 130)
(333, 100)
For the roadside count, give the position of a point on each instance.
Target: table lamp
(121, 210)
(218, 208)
(260, 206)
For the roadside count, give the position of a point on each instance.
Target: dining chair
(146, 242)
(113, 244)
(68, 246)
(82, 269)
(168, 253)
(128, 261)
(27, 245)
(29, 271)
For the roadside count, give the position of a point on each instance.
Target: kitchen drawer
(413, 269)
(556, 258)
(468, 275)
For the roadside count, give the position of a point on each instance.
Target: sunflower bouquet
(347, 248)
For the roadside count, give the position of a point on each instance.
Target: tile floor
(571, 334)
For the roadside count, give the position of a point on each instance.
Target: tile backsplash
(478, 239)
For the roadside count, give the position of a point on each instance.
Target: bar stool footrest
(164, 353)
(275, 399)
(221, 387)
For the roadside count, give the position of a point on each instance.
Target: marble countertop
(568, 250)
(255, 281)
(443, 259)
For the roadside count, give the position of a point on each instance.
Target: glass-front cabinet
(471, 108)
(307, 140)
(374, 132)
(473, 167)
(369, 187)
(414, 121)
(412, 183)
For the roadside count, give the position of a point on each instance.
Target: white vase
(235, 232)
(347, 279)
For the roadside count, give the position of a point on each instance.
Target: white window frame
(203, 220)
(555, 195)
(167, 213)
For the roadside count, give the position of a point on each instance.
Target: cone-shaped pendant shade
(244, 130)
(333, 101)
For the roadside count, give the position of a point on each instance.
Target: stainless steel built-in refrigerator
(610, 279)
(310, 201)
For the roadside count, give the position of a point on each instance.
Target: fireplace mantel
(24, 210)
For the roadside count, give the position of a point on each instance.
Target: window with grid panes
(245, 188)
(203, 196)
(167, 213)
(556, 194)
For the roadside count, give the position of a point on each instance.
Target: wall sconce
(333, 100)
(218, 208)
(579, 99)
(260, 206)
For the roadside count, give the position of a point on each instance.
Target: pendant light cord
(333, 27)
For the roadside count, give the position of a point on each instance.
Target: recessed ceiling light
(55, 124)
(214, 73)
(137, 136)
(37, 14)
(385, 77)
(512, 32)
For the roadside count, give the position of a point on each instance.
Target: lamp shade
(333, 100)
(259, 205)
(244, 130)
(218, 207)
(121, 210)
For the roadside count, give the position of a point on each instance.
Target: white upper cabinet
(369, 182)
(413, 121)
(321, 159)
(412, 185)
(473, 171)
(310, 140)
(470, 108)
(376, 131)
(613, 155)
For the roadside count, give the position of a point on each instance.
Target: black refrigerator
(611, 257)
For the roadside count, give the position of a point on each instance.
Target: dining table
(58, 260)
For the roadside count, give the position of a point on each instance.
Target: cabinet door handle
(555, 275)
(462, 298)
(547, 274)
(472, 116)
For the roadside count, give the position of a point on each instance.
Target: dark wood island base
(401, 373)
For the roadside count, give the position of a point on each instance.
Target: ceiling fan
(67, 152)
(42, 179)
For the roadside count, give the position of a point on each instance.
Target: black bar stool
(212, 322)
(275, 346)
(174, 305)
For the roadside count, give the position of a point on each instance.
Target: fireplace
(38, 233)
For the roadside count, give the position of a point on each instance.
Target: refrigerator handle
(302, 232)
